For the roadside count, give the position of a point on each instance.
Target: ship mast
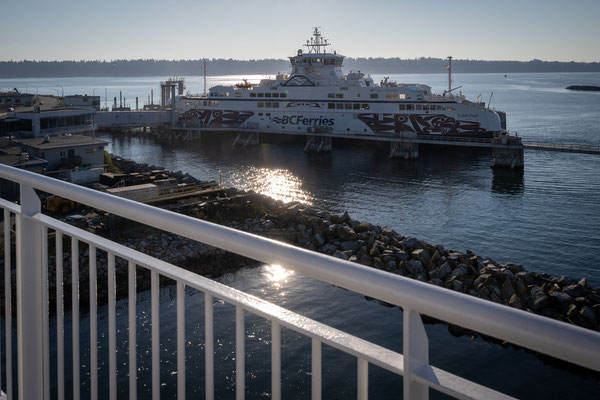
(449, 74)
(316, 42)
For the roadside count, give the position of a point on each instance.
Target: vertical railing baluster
(45, 312)
(112, 329)
(275, 360)
(29, 297)
(93, 324)
(316, 369)
(209, 368)
(60, 319)
(362, 386)
(7, 303)
(154, 281)
(416, 353)
(75, 316)
(132, 332)
(180, 340)
(240, 353)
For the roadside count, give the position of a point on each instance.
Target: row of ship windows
(409, 107)
(268, 94)
(341, 106)
(388, 96)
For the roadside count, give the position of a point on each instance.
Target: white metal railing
(557, 339)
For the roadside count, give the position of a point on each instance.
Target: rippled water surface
(547, 219)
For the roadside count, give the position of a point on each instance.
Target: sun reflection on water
(277, 183)
(277, 275)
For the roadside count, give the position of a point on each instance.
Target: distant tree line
(30, 69)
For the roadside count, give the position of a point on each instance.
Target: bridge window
(419, 107)
(268, 104)
(410, 107)
(331, 95)
(331, 106)
(252, 94)
(339, 95)
(267, 94)
(449, 108)
(275, 94)
(402, 107)
(276, 104)
(356, 106)
(374, 95)
(282, 94)
(238, 94)
(260, 104)
(339, 106)
(348, 106)
(260, 94)
(402, 96)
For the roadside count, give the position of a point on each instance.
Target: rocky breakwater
(565, 299)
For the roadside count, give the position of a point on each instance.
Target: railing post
(30, 307)
(416, 354)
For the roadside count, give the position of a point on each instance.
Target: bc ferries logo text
(301, 120)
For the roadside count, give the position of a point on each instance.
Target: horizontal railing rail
(544, 335)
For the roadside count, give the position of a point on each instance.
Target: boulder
(588, 316)
(507, 290)
(421, 255)
(574, 290)
(560, 299)
(459, 271)
(414, 267)
(352, 245)
(363, 227)
(402, 256)
(364, 259)
(318, 239)
(538, 299)
(339, 254)
(441, 272)
(412, 243)
(329, 249)
(515, 301)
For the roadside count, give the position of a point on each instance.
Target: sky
(549, 30)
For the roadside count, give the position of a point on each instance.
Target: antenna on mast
(204, 93)
(316, 42)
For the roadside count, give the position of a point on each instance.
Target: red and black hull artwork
(217, 118)
(422, 124)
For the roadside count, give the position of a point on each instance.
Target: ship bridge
(317, 64)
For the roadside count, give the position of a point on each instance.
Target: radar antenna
(317, 42)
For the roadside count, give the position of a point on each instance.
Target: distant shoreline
(140, 68)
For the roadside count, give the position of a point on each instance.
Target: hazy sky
(190, 29)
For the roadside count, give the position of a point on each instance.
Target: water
(546, 219)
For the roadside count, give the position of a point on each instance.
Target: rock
(571, 312)
(421, 255)
(388, 231)
(515, 302)
(437, 282)
(583, 283)
(507, 290)
(495, 298)
(402, 256)
(350, 245)
(414, 267)
(391, 265)
(482, 279)
(508, 273)
(459, 271)
(319, 239)
(588, 315)
(525, 277)
(377, 263)
(347, 233)
(412, 243)
(574, 290)
(560, 299)
(457, 285)
(363, 227)
(364, 259)
(441, 272)
(538, 299)
(329, 249)
(521, 288)
(339, 254)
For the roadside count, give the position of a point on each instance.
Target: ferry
(317, 97)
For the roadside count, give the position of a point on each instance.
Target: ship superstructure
(318, 97)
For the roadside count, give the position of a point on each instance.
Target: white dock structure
(32, 241)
